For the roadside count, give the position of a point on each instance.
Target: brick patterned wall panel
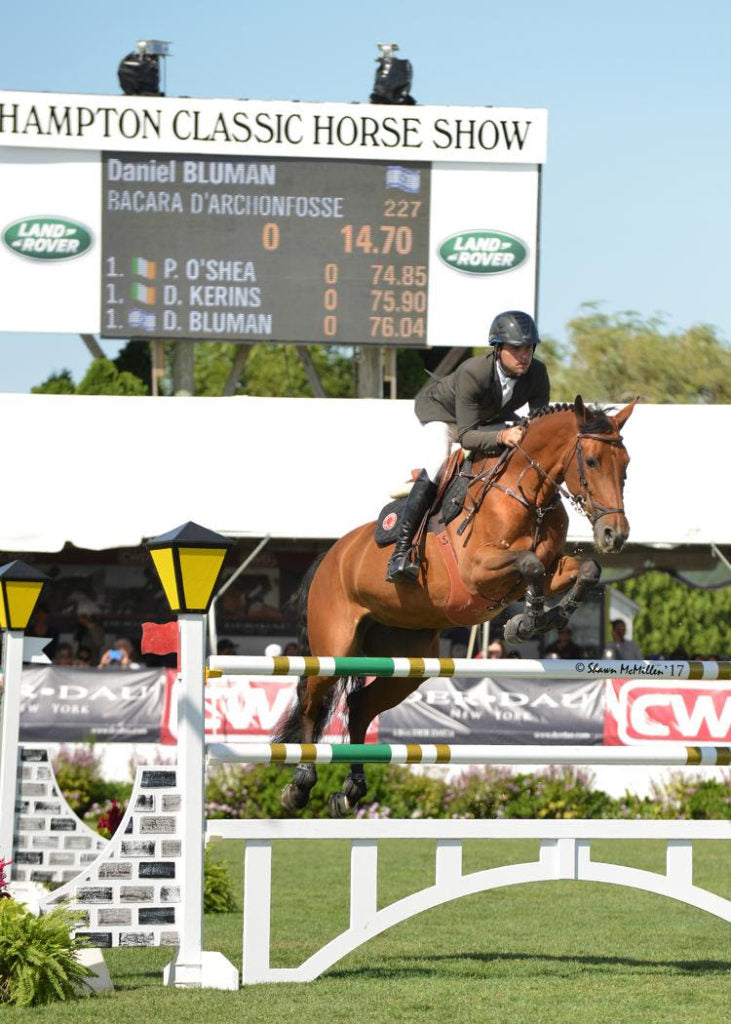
(50, 842)
(132, 893)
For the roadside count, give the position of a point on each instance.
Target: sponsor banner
(241, 708)
(65, 705)
(498, 711)
(280, 128)
(639, 711)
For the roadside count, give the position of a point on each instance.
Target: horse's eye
(592, 463)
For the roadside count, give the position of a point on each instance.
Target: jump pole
(467, 668)
(665, 754)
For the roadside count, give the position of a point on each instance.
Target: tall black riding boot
(401, 569)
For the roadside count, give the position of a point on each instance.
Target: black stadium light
(393, 78)
(139, 71)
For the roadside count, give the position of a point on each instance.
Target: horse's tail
(289, 726)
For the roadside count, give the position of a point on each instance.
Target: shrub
(38, 962)
(218, 897)
(78, 773)
(3, 880)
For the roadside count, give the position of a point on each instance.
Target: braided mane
(597, 422)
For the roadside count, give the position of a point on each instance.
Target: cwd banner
(638, 711)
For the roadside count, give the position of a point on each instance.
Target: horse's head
(596, 473)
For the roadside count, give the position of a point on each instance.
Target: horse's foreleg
(532, 619)
(580, 577)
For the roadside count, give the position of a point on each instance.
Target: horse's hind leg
(304, 724)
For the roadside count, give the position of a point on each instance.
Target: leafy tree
(103, 378)
(60, 383)
(273, 370)
(675, 616)
(612, 358)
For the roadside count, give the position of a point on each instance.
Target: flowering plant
(3, 880)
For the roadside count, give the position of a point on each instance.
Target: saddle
(452, 484)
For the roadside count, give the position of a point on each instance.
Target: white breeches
(437, 440)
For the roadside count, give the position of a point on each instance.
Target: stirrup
(401, 569)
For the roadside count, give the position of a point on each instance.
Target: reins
(584, 502)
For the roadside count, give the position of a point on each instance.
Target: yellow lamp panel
(22, 597)
(199, 568)
(165, 565)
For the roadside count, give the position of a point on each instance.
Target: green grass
(549, 952)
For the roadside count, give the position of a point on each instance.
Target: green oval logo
(47, 238)
(482, 252)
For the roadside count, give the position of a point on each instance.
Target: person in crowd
(473, 405)
(226, 646)
(495, 649)
(273, 650)
(564, 646)
(290, 649)
(41, 625)
(620, 647)
(64, 655)
(83, 657)
(119, 655)
(89, 631)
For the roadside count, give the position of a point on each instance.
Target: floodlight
(393, 78)
(139, 71)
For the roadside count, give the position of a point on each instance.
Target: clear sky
(635, 206)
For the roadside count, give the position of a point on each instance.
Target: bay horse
(505, 545)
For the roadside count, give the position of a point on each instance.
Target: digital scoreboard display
(287, 249)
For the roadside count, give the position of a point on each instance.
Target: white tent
(103, 472)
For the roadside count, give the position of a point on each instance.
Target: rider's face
(515, 359)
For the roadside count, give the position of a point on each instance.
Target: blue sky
(635, 206)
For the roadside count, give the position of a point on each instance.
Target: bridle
(584, 502)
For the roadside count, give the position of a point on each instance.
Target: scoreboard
(245, 220)
(303, 250)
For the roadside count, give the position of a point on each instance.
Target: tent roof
(103, 472)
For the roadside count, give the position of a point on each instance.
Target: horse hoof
(338, 806)
(294, 798)
(511, 633)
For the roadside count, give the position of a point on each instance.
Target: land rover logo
(482, 252)
(47, 238)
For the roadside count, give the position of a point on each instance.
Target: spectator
(40, 625)
(564, 646)
(273, 650)
(120, 655)
(495, 649)
(89, 631)
(226, 646)
(64, 655)
(83, 657)
(619, 647)
(290, 649)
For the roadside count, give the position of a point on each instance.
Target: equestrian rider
(472, 406)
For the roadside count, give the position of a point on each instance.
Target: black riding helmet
(514, 328)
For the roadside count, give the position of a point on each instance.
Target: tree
(612, 358)
(675, 616)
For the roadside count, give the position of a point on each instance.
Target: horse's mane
(597, 420)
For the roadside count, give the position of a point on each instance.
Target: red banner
(638, 711)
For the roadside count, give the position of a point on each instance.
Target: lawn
(546, 952)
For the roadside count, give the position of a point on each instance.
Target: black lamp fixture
(139, 71)
(393, 78)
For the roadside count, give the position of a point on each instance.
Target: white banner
(350, 131)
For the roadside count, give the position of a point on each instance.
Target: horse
(505, 545)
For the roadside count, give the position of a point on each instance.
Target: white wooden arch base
(565, 853)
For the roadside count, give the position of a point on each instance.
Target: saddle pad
(387, 523)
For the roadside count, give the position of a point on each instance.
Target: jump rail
(667, 754)
(467, 668)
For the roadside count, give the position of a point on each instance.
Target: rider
(472, 406)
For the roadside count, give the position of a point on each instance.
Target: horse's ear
(580, 410)
(624, 414)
